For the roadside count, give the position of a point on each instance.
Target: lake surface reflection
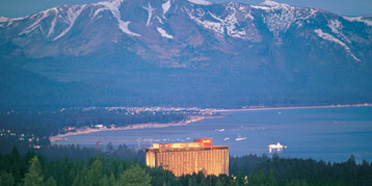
(330, 134)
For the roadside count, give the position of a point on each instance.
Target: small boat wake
(239, 138)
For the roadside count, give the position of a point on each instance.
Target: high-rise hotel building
(187, 158)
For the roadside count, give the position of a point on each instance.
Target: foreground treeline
(284, 171)
(33, 169)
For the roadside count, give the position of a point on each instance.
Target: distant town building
(188, 158)
(99, 126)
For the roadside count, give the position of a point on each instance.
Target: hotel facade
(188, 158)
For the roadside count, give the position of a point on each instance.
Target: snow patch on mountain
(228, 25)
(99, 10)
(336, 27)
(215, 26)
(279, 17)
(72, 14)
(270, 5)
(40, 17)
(53, 24)
(164, 33)
(249, 15)
(231, 24)
(280, 21)
(160, 20)
(3, 19)
(35, 24)
(331, 38)
(200, 2)
(273, 4)
(149, 13)
(10, 21)
(166, 6)
(260, 7)
(17, 18)
(302, 16)
(113, 7)
(124, 26)
(359, 19)
(310, 14)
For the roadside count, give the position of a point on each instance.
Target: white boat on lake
(276, 147)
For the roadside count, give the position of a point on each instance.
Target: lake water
(330, 134)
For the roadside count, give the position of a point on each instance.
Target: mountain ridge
(243, 54)
(276, 24)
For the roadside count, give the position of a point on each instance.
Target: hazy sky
(16, 8)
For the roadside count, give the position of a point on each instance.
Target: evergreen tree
(219, 183)
(91, 176)
(271, 179)
(80, 179)
(15, 161)
(6, 179)
(112, 179)
(105, 181)
(296, 183)
(34, 176)
(50, 182)
(204, 182)
(161, 177)
(134, 176)
(260, 178)
(193, 181)
(94, 175)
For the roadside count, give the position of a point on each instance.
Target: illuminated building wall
(187, 158)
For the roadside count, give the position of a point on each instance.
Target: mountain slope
(197, 53)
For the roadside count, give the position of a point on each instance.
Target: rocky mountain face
(179, 52)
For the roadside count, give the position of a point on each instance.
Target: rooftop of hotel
(197, 144)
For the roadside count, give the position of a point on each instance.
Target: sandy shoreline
(87, 130)
(192, 119)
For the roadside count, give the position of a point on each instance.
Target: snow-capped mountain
(259, 42)
(152, 25)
